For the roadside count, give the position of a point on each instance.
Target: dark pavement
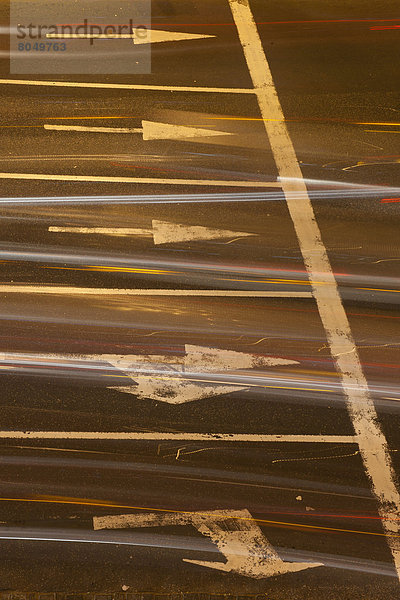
(62, 350)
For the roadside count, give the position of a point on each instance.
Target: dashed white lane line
(82, 291)
(161, 435)
(152, 180)
(126, 86)
(370, 438)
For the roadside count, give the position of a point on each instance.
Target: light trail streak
(84, 502)
(342, 192)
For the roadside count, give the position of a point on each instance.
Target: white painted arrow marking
(163, 232)
(167, 131)
(167, 233)
(167, 381)
(174, 380)
(234, 532)
(139, 35)
(151, 130)
(153, 36)
(165, 389)
(203, 358)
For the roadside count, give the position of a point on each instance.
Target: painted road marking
(81, 291)
(151, 130)
(162, 232)
(162, 378)
(113, 231)
(84, 129)
(127, 86)
(139, 35)
(152, 180)
(234, 532)
(170, 379)
(370, 438)
(166, 435)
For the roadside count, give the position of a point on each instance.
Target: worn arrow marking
(113, 231)
(169, 383)
(167, 131)
(167, 233)
(151, 130)
(176, 392)
(162, 232)
(174, 380)
(234, 532)
(139, 35)
(154, 36)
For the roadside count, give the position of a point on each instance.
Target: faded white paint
(165, 380)
(171, 379)
(167, 131)
(216, 359)
(151, 130)
(113, 231)
(185, 437)
(174, 391)
(87, 129)
(138, 36)
(235, 533)
(371, 440)
(152, 180)
(168, 233)
(163, 232)
(126, 86)
(156, 35)
(81, 291)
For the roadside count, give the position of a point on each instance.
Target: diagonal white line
(371, 440)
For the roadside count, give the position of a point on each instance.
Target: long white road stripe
(371, 440)
(78, 291)
(153, 180)
(127, 86)
(161, 435)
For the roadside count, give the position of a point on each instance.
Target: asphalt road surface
(200, 327)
